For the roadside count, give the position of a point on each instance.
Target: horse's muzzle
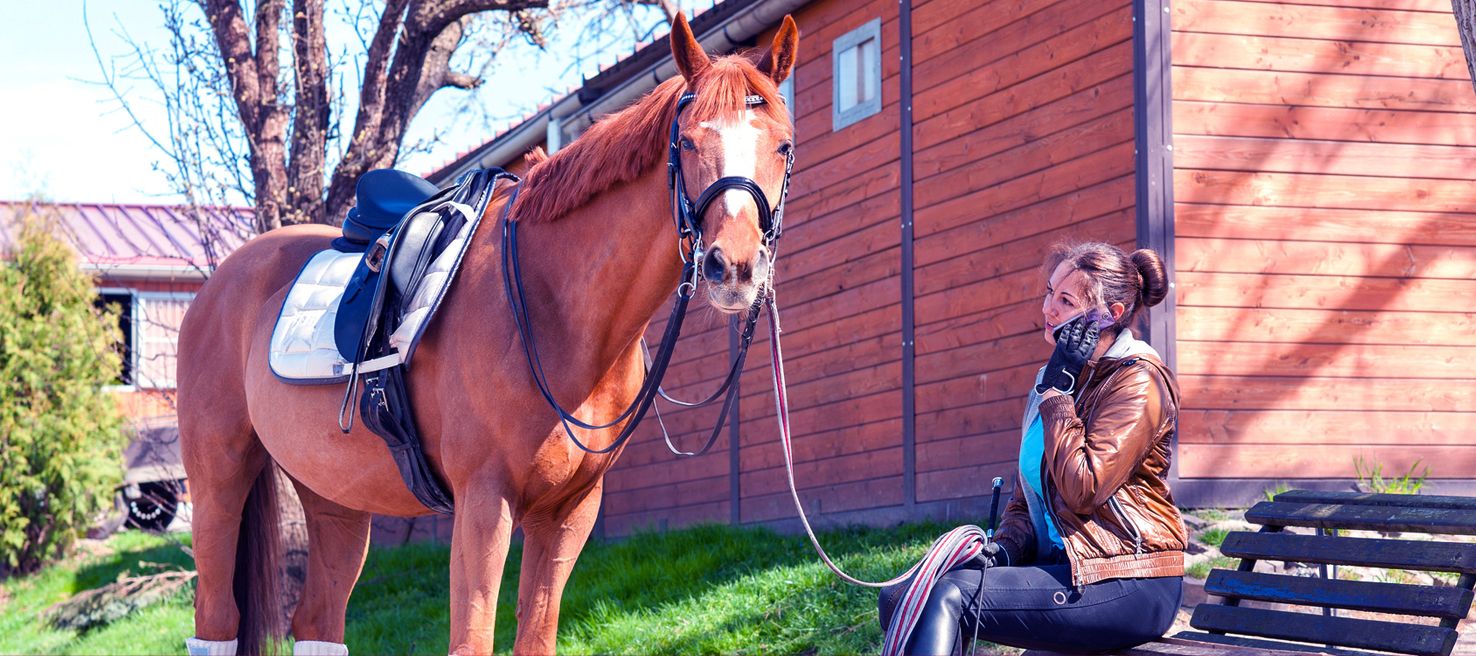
(734, 286)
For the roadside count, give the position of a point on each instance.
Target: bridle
(688, 219)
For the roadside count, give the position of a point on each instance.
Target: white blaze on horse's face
(736, 265)
(740, 142)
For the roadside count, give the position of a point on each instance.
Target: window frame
(141, 300)
(870, 67)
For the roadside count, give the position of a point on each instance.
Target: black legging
(1035, 607)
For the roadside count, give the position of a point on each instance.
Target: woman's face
(1065, 297)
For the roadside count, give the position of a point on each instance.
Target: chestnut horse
(598, 260)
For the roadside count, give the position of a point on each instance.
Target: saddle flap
(358, 311)
(415, 243)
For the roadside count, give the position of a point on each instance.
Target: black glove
(1076, 340)
(993, 555)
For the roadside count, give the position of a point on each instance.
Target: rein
(957, 546)
(688, 219)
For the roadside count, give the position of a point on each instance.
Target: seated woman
(1089, 555)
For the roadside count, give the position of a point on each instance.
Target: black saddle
(383, 197)
(400, 250)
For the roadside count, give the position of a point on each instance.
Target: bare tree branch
(236, 123)
(311, 110)
(234, 42)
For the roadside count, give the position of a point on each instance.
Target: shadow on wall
(1317, 155)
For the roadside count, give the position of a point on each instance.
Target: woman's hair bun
(1155, 278)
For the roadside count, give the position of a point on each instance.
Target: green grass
(709, 589)
(1201, 570)
(1210, 514)
(1214, 537)
(157, 629)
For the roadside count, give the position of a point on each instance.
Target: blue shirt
(1032, 451)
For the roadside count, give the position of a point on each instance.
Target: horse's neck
(594, 278)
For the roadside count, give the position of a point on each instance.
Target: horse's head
(736, 127)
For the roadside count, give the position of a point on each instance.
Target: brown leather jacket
(1106, 479)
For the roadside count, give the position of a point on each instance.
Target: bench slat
(1247, 646)
(1425, 600)
(1369, 499)
(1363, 552)
(1207, 644)
(1448, 521)
(1343, 631)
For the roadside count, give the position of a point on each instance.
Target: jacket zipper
(1127, 524)
(1076, 578)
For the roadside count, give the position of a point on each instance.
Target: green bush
(61, 435)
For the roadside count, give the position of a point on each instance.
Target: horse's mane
(624, 145)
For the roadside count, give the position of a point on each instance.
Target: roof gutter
(573, 113)
(146, 271)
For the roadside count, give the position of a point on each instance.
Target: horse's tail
(258, 583)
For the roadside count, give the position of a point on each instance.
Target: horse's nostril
(714, 267)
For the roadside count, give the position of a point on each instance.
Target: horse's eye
(786, 148)
(687, 144)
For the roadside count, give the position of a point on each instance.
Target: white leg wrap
(319, 648)
(198, 647)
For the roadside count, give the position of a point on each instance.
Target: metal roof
(146, 240)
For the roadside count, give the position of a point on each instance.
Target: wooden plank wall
(839, 294)
(1024, 137)
(1326, 238)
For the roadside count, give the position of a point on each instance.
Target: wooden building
(1306, 168)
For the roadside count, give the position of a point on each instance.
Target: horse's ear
(690, 58)
(778, 62)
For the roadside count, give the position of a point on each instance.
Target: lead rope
(948, 551)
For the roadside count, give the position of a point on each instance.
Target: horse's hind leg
(222, 458)
(338, 541)
(551, 543)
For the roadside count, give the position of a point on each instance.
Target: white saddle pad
(303, 348)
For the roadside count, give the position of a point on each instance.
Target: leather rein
(687, 216)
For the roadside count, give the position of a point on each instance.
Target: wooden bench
(1230, 628)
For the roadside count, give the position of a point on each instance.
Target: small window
(786, 91)
(122, 301)
(856, 59)
(157, 320)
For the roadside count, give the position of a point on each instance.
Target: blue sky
(62, 135)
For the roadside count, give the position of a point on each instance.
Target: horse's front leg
(551, 543)
(479, 542)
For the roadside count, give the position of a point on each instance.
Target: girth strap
(386, 410)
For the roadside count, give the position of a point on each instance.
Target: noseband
(688, 218)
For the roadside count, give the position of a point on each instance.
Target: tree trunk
(1465, 15)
